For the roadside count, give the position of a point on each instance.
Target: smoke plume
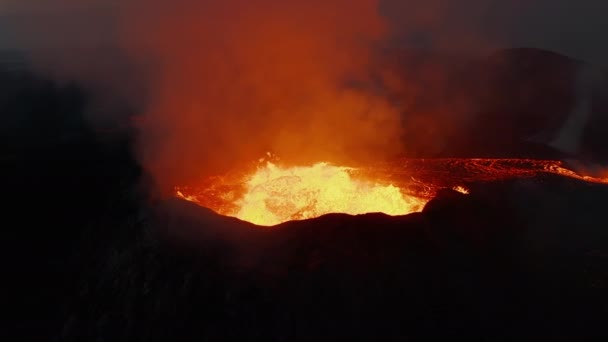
(239, 78)
(227, 81)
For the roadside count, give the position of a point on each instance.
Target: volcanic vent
(270, 194)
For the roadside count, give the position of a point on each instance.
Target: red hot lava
(271, 194)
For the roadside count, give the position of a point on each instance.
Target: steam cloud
(239, 78)
(229, 80)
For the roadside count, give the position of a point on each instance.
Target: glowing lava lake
(270, 194)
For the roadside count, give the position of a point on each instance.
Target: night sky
(574, 28)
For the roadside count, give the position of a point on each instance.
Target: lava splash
(271, 194)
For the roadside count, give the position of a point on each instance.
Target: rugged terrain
(94, 253)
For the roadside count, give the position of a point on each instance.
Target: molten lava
(275, 194)
(272, 194)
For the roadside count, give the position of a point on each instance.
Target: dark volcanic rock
(530, 98)
(476, 265)
(520, 102)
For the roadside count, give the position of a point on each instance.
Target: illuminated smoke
(239, 78)
(227, 80)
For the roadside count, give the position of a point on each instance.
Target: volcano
(509, 244)
(514, 257)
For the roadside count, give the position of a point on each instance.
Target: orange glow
(253, 76)
(461, 189)
(275, 194)
(271, 194)
(601, 177)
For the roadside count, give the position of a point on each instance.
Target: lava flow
(273, 194)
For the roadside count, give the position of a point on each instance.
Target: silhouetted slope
(520, 102)
(511, 259)
(65, 194)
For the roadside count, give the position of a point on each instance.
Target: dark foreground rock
(524, 258)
